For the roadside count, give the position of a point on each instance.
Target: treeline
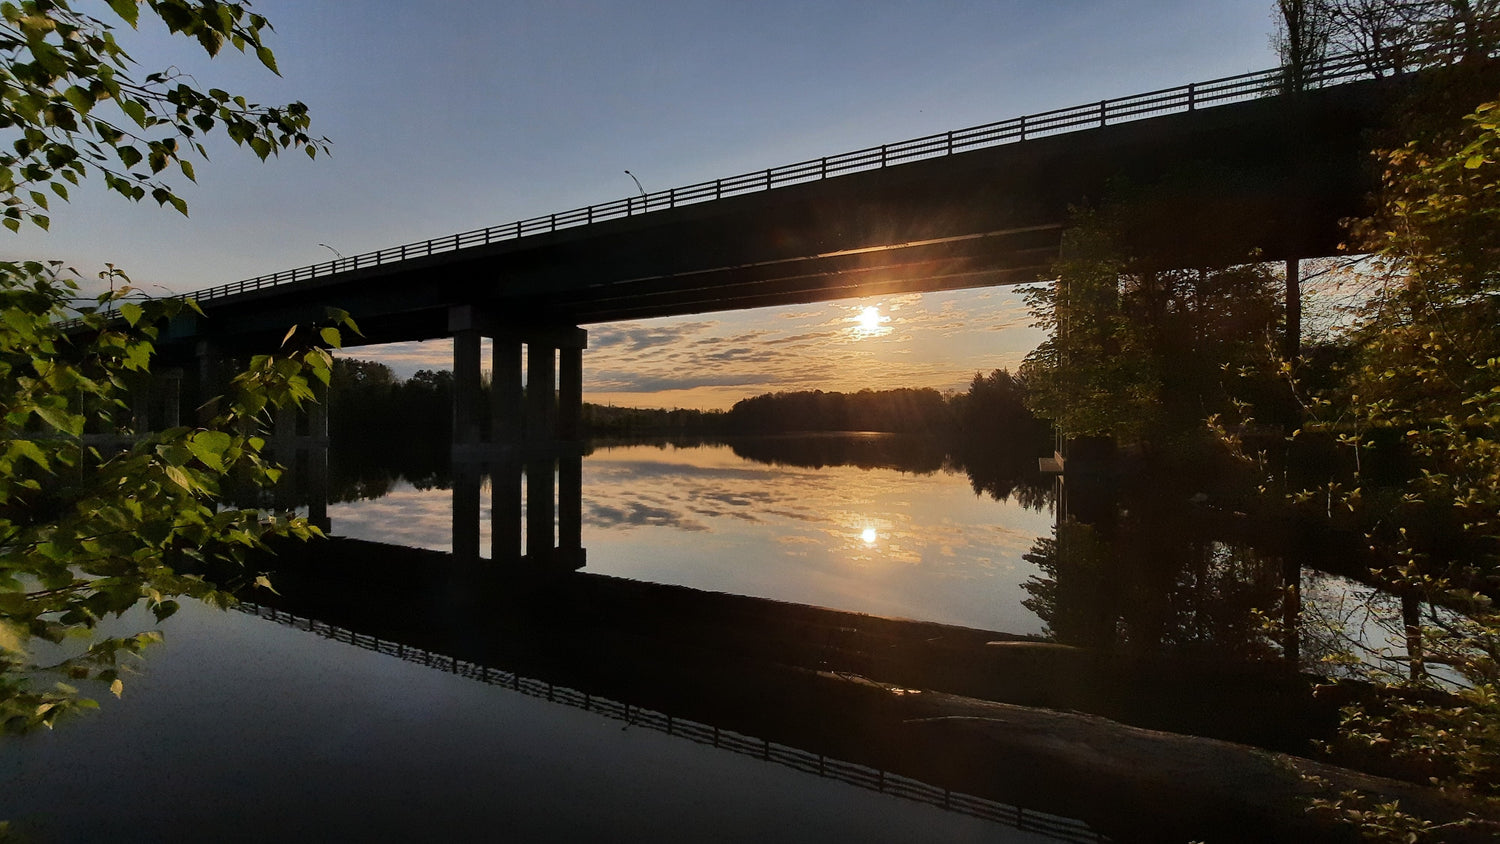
(993, 407)
(369, 405)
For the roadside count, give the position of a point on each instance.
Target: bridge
(1235, 166)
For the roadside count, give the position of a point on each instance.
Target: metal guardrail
(1184, 98)
(1048, 825)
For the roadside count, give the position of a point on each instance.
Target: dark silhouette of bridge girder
(1268, 178)
(1272, 176)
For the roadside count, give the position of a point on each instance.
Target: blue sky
(454, 116)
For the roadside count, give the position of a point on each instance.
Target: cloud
(634, 336)
(632, 382)
(937, 340)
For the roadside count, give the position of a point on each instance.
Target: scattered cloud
(934, 340)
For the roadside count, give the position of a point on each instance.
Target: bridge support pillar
(548, 410)
(210, 378)
(466, 387)
(317, 414)
(541, 391)
(569, 392)
(171, 380)
(284, 433)
(507, 413)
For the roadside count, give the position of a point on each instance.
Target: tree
(1141, 350)
(87, 531)
(1425, 383)
(71, 103)
(1303, 29)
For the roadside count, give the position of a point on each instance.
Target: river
(240, 728)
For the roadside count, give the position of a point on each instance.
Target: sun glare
(869, 536)
(869, 322)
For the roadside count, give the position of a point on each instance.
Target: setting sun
(870, 319)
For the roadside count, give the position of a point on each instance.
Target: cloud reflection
(874, 540)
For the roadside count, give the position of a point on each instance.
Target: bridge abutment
(546, 412)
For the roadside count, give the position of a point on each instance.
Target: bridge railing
(1183, 98)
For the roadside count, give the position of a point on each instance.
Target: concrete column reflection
(466, 481)
(550, 510)
(570, 509)
(540, 535)
(317, 486)
(505, 512)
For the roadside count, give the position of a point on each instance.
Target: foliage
(92, 524)
(88, 530)
(1425, 383)
(1303, 29)
(1141, 352)
(71, 103)
(1387, 36)
(901, 410)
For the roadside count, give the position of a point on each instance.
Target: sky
(455, 116)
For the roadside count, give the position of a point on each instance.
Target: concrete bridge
(1233, 165)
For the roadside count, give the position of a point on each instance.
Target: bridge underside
(1270, 178)
(1273, 175)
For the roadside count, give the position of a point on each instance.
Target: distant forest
(370, 405)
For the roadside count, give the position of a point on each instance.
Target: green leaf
(135, 110)
(132, 312)
(12, 637)
(68, 423)
(267, 58)
(127, 10)
(31, 451)
(331, 337)
(79, 99)
(181, 478)
(209, 447)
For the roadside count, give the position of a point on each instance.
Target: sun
(870, 322)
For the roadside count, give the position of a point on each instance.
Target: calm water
(243, 729)
(877, 540)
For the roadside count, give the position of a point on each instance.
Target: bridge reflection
(1044, 824)
(803, 686)
(536, 509)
